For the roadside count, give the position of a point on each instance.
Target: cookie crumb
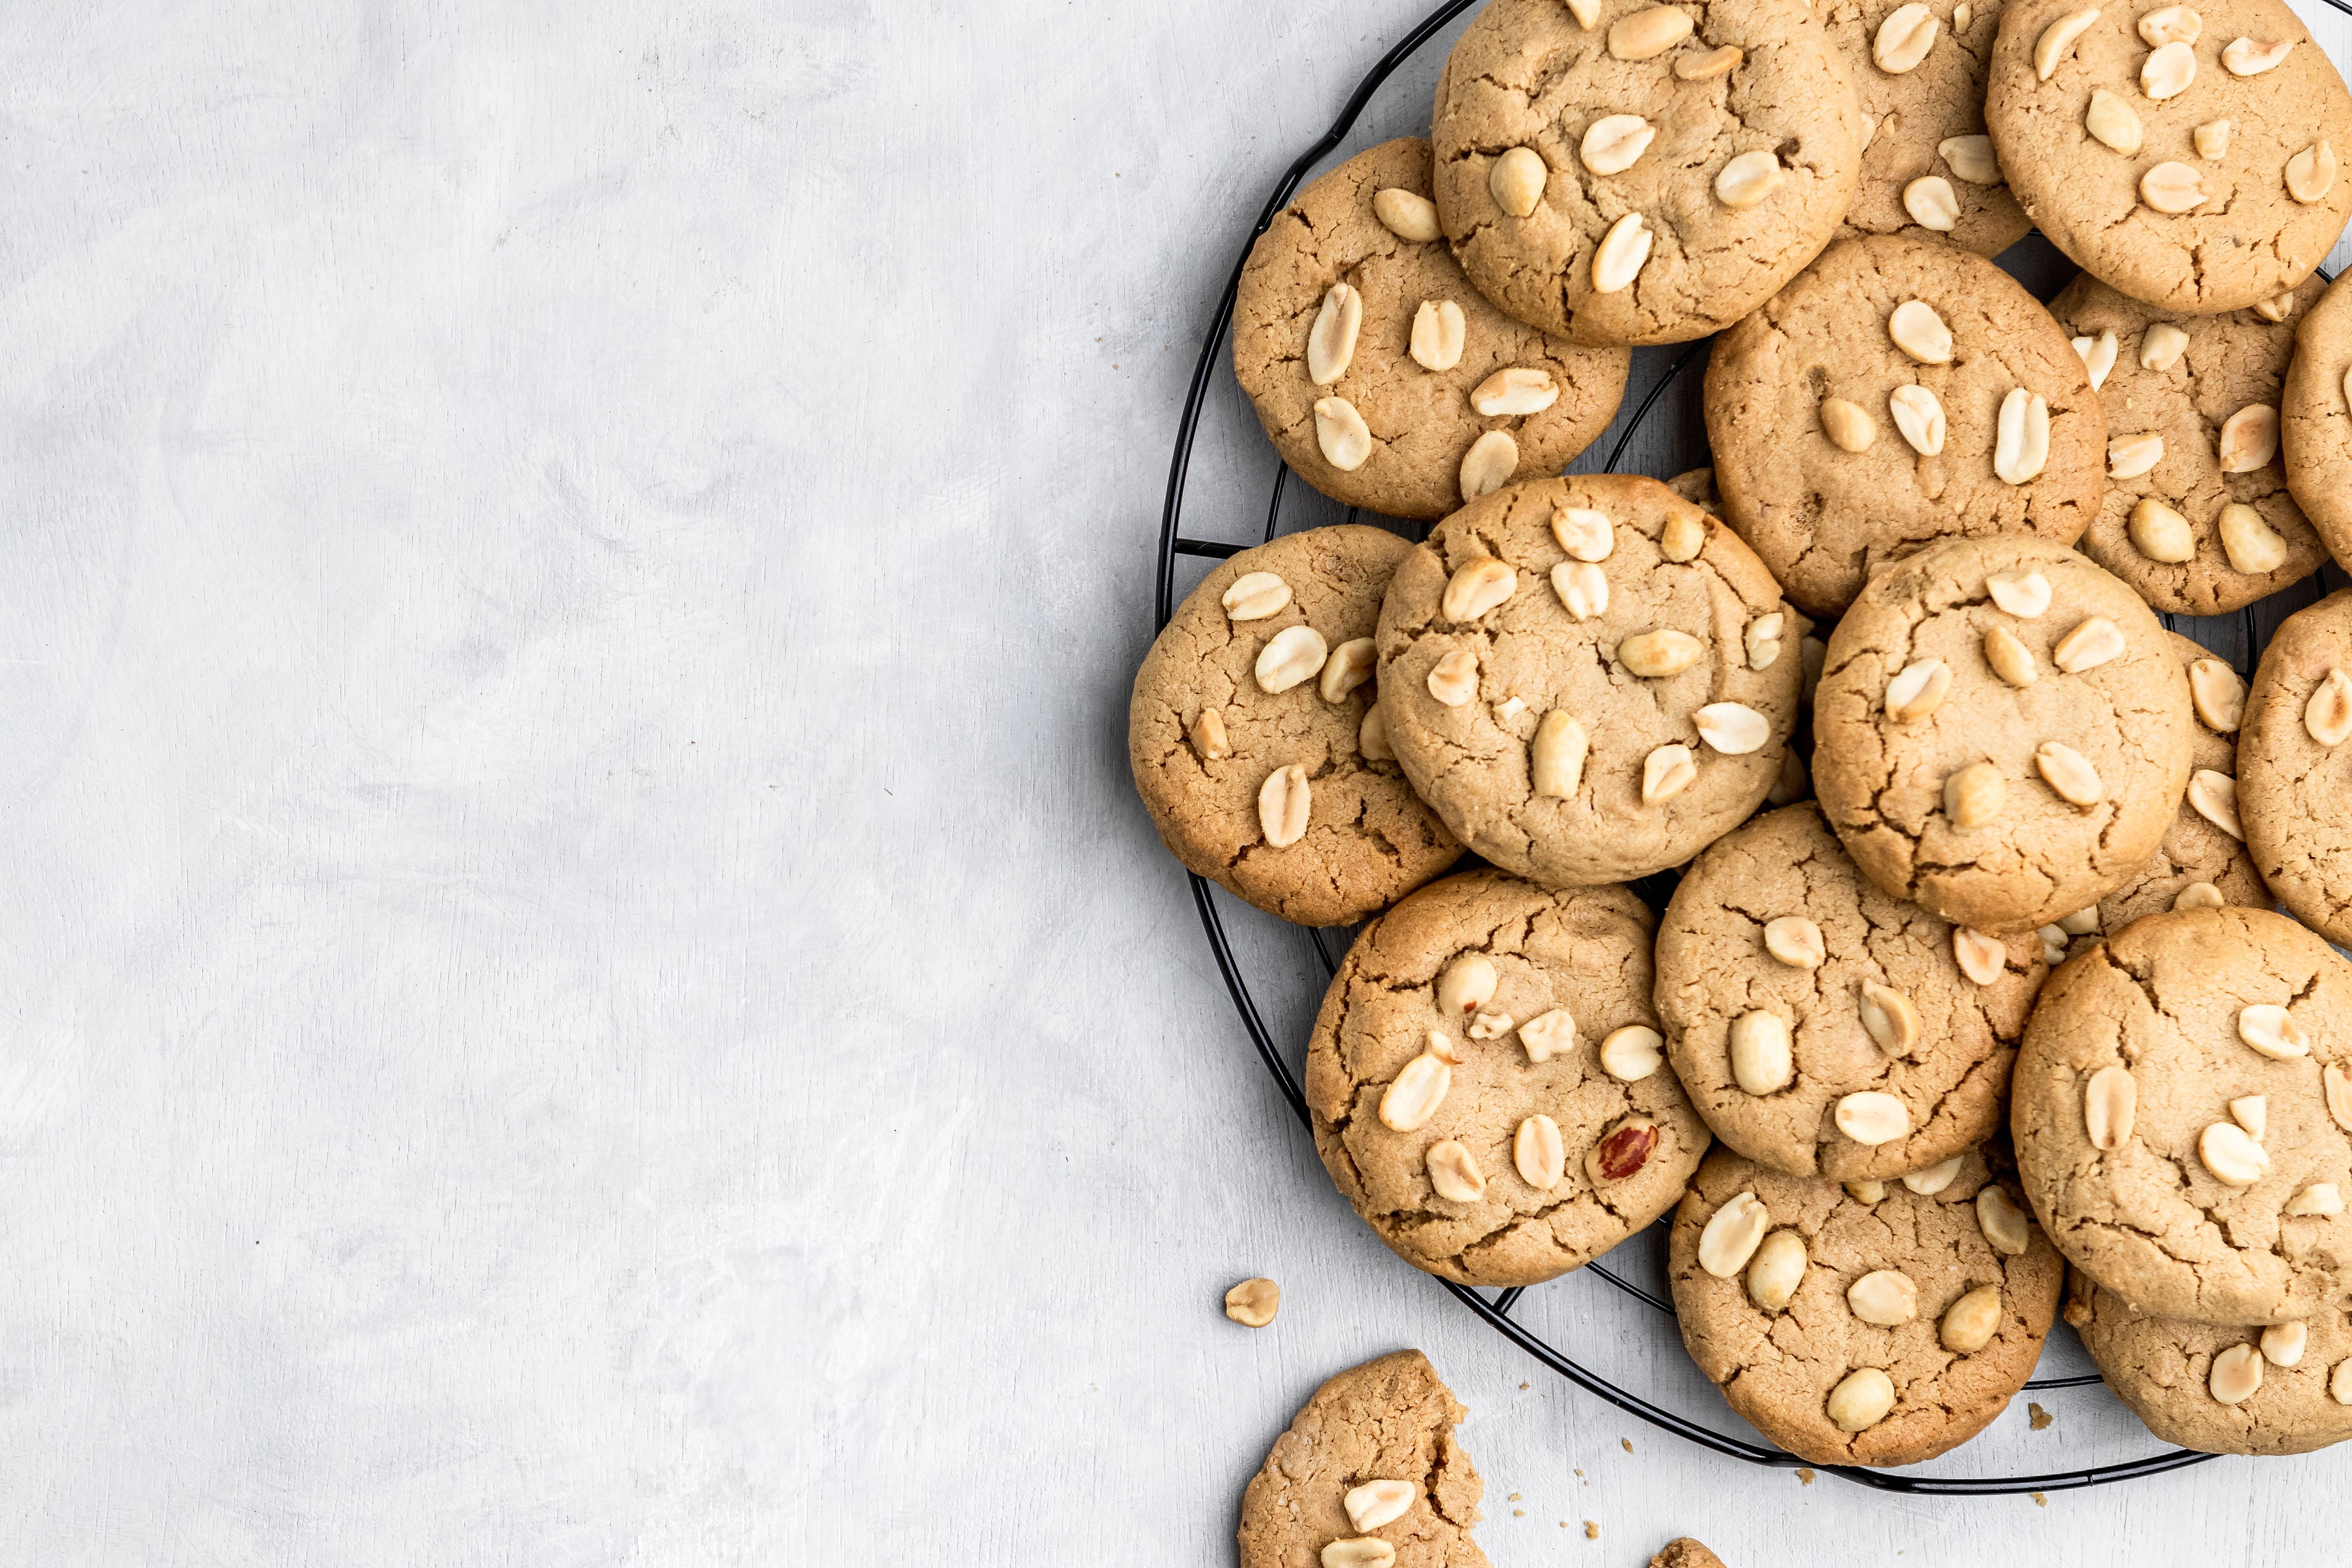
(1515, 1497)
(1592, 1530)
(1519, 1513)
(1805, 1475)
(2039, 1500)
(1523, 1385)
(1580, 1472)
(2039, 1417)
(1628, 1442)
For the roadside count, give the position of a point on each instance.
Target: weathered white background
(582, 983)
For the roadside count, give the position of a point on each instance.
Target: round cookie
(2199, 848)
(1815, 373)
(1744, 97)
(2165, 428)
(1527, 727)
(1422, 423)
(1780, 1366)
(1531, 993)
(1388, 1420)
(1782, 885)
(2316, 418)
(2137, 1093)
(1683, 1552)
(2295, 766)
(2251, 237)
(1924, 113)
(1204, 735)
(2164, 1369)
(1958, 806)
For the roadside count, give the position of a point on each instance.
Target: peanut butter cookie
(2198, 517)
(2316, 418)
(1255, 740)
(2186, 156)
(1899, 391)
(1918, 67)
(1589, 678)
(2285, 1389)
(2180, 1109)
(2002, 734)
(1874, 1328)
(1823, 1028)
(2295, 768)
(1622, 171)
(1384, 379)
(1372, 1456)
(1489, 1083)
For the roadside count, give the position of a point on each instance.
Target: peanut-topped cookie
(1486, 1080)
(1899, 391)
(2316, 418)
(1590, 678)
(1622, 172)
(2187, 155)
(1918, 67)
(2284, 1389)
(1384, 379)
(1823, 1028)
(2002, 732)
(2295, 766)
(1256, 744)
(1877, 1326)
(2181, 1108)
(2198, 517)
(1369, 1473)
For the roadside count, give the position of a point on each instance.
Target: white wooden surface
(583, 981)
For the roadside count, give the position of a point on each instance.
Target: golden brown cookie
(2295, 766)
(1854, 1331)
(1929, 166)
(1686, 1552)
(1823, 1028)
(2202, 859)
(1226, 706)
(1589, 678)
(2168, 151)
(2197, 517)
(2316, 418)
(1487, 1081)
(2002, 734)
(1838, 447)
(1419, 372)
(1630, 172)
(2180, 1109)
(1372, 1456)
(2221, 1390)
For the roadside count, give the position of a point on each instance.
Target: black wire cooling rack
(2247, 635)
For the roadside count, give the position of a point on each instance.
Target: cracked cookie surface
(2293, 787)
(1777, 1368)
(1421, 420)
(2148, 1218)
(1473, 760)
(2163, 1368)
(2316, 418)
(1915, 112)
(2195, 849)
(2250, 238)
(1685, 1551)
(1390, 1420)
(2231, 361)
(1368, 839)
(1525, 75)
(1586, 952)
(2037, 855)
(1715, 969)
(1825, 518)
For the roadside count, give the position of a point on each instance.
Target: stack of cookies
(2007, 994)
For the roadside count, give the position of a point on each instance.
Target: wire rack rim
(1497, 1312)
